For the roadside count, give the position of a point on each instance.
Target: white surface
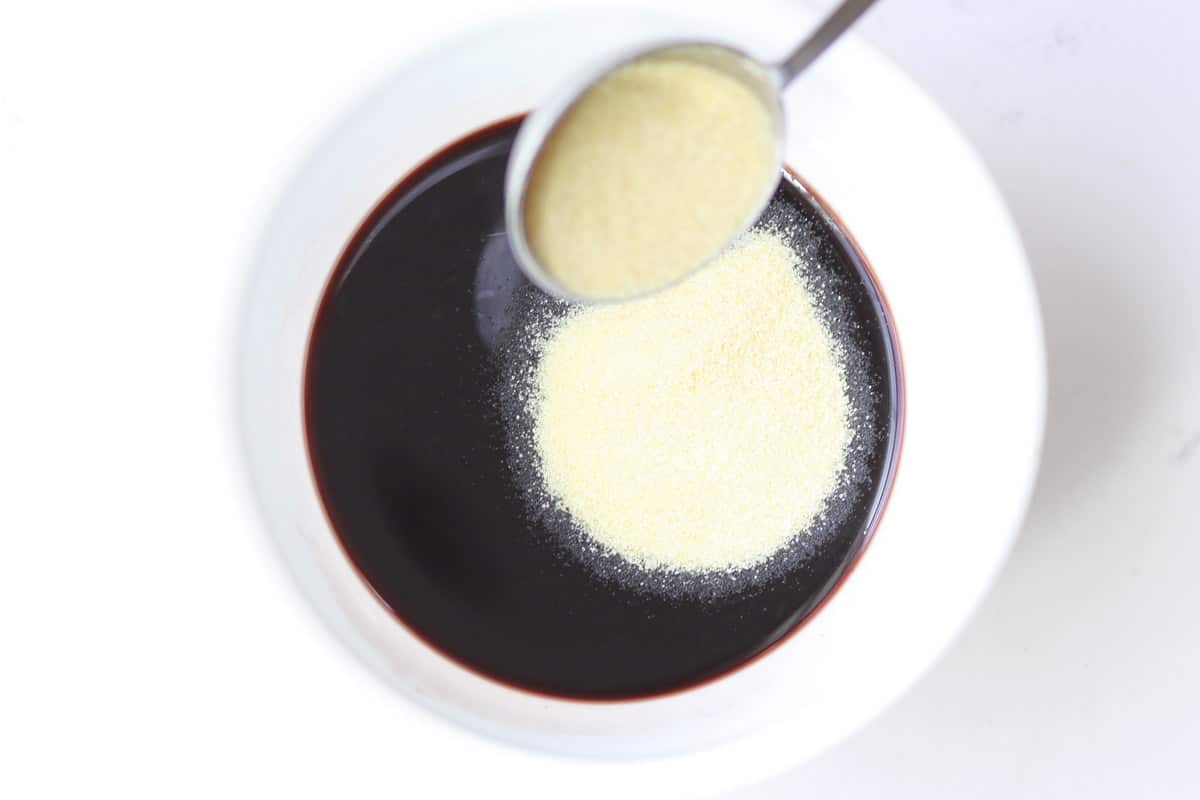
(828, 678)
(1076, 679)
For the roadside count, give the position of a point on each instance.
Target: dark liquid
(410, 455)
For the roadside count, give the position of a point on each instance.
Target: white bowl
(935, 230)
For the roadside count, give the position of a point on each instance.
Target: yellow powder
(699, 428)
(646, 177)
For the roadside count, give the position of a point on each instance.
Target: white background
(152, 647)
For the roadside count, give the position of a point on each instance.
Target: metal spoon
(765, 80)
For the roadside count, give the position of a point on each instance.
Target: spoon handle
(828, 32)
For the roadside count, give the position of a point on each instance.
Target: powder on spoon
(655, 169)
(700, 428)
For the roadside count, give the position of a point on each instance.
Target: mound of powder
(647, 176)
(700, 428)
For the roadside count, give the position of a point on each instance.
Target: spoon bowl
(761, 80)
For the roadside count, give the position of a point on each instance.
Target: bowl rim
(761, 719)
